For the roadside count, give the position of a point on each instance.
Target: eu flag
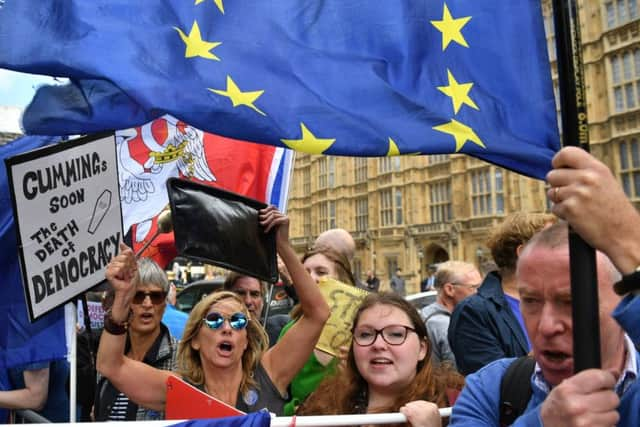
(22, 342)
(356, 78)
(254, 419)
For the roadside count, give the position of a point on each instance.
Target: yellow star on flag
(393, 148)
(462, 133)
(238, 97)
(395, 151)
(451, 28)
(195, 46)
(217, 2)
(458, 92)
(308, 143)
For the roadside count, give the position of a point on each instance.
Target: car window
(195, 292)
(186, 300)
(422, 299)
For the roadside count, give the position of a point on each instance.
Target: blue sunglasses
(215, 320)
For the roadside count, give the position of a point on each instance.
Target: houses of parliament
(414, 211)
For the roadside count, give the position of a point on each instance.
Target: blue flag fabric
(254, 419)
(356, 78)
(22, 342)
(4, 385)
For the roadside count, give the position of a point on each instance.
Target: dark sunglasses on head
(157, 297)
(215, 320)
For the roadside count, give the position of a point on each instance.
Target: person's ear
(519, 249)
(448, 289)
(422, 353)
(195, 343)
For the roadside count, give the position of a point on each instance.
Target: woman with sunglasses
(223, 350)
(147, 340)
(388, 368)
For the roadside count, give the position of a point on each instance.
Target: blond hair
(451, 272)
(189, 363)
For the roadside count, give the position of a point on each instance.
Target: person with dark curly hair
(388, 368)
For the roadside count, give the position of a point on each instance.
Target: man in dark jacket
(373, 283)
(488, 325)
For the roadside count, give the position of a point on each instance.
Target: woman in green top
(319, 261)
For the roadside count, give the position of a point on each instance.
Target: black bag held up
(221, 228)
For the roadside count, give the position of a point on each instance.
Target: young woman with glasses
(223, 349)
(388, 368)
(147, 340)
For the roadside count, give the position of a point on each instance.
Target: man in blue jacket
(488, 326)
(588, 196)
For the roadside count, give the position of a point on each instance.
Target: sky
(16, 90)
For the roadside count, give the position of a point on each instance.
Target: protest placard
(67, 207)
(343, 301)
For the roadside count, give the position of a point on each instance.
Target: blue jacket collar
(491, 289)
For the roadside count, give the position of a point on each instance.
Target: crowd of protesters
(510, 329)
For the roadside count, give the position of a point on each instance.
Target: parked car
(280, 302)
(188, 297)
(422, 299)
(194, 292)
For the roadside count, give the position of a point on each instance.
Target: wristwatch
(629, 283)
(113, 327)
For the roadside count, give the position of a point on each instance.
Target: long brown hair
(346, 392)
(189, 364)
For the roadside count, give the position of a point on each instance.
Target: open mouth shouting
(225, 348)
(556, 365)
(146, 317)
(556, 357)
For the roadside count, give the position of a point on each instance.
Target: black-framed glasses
(215, 320)
(157, 297)
(393, 334)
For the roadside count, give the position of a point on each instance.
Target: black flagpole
(573, 106)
